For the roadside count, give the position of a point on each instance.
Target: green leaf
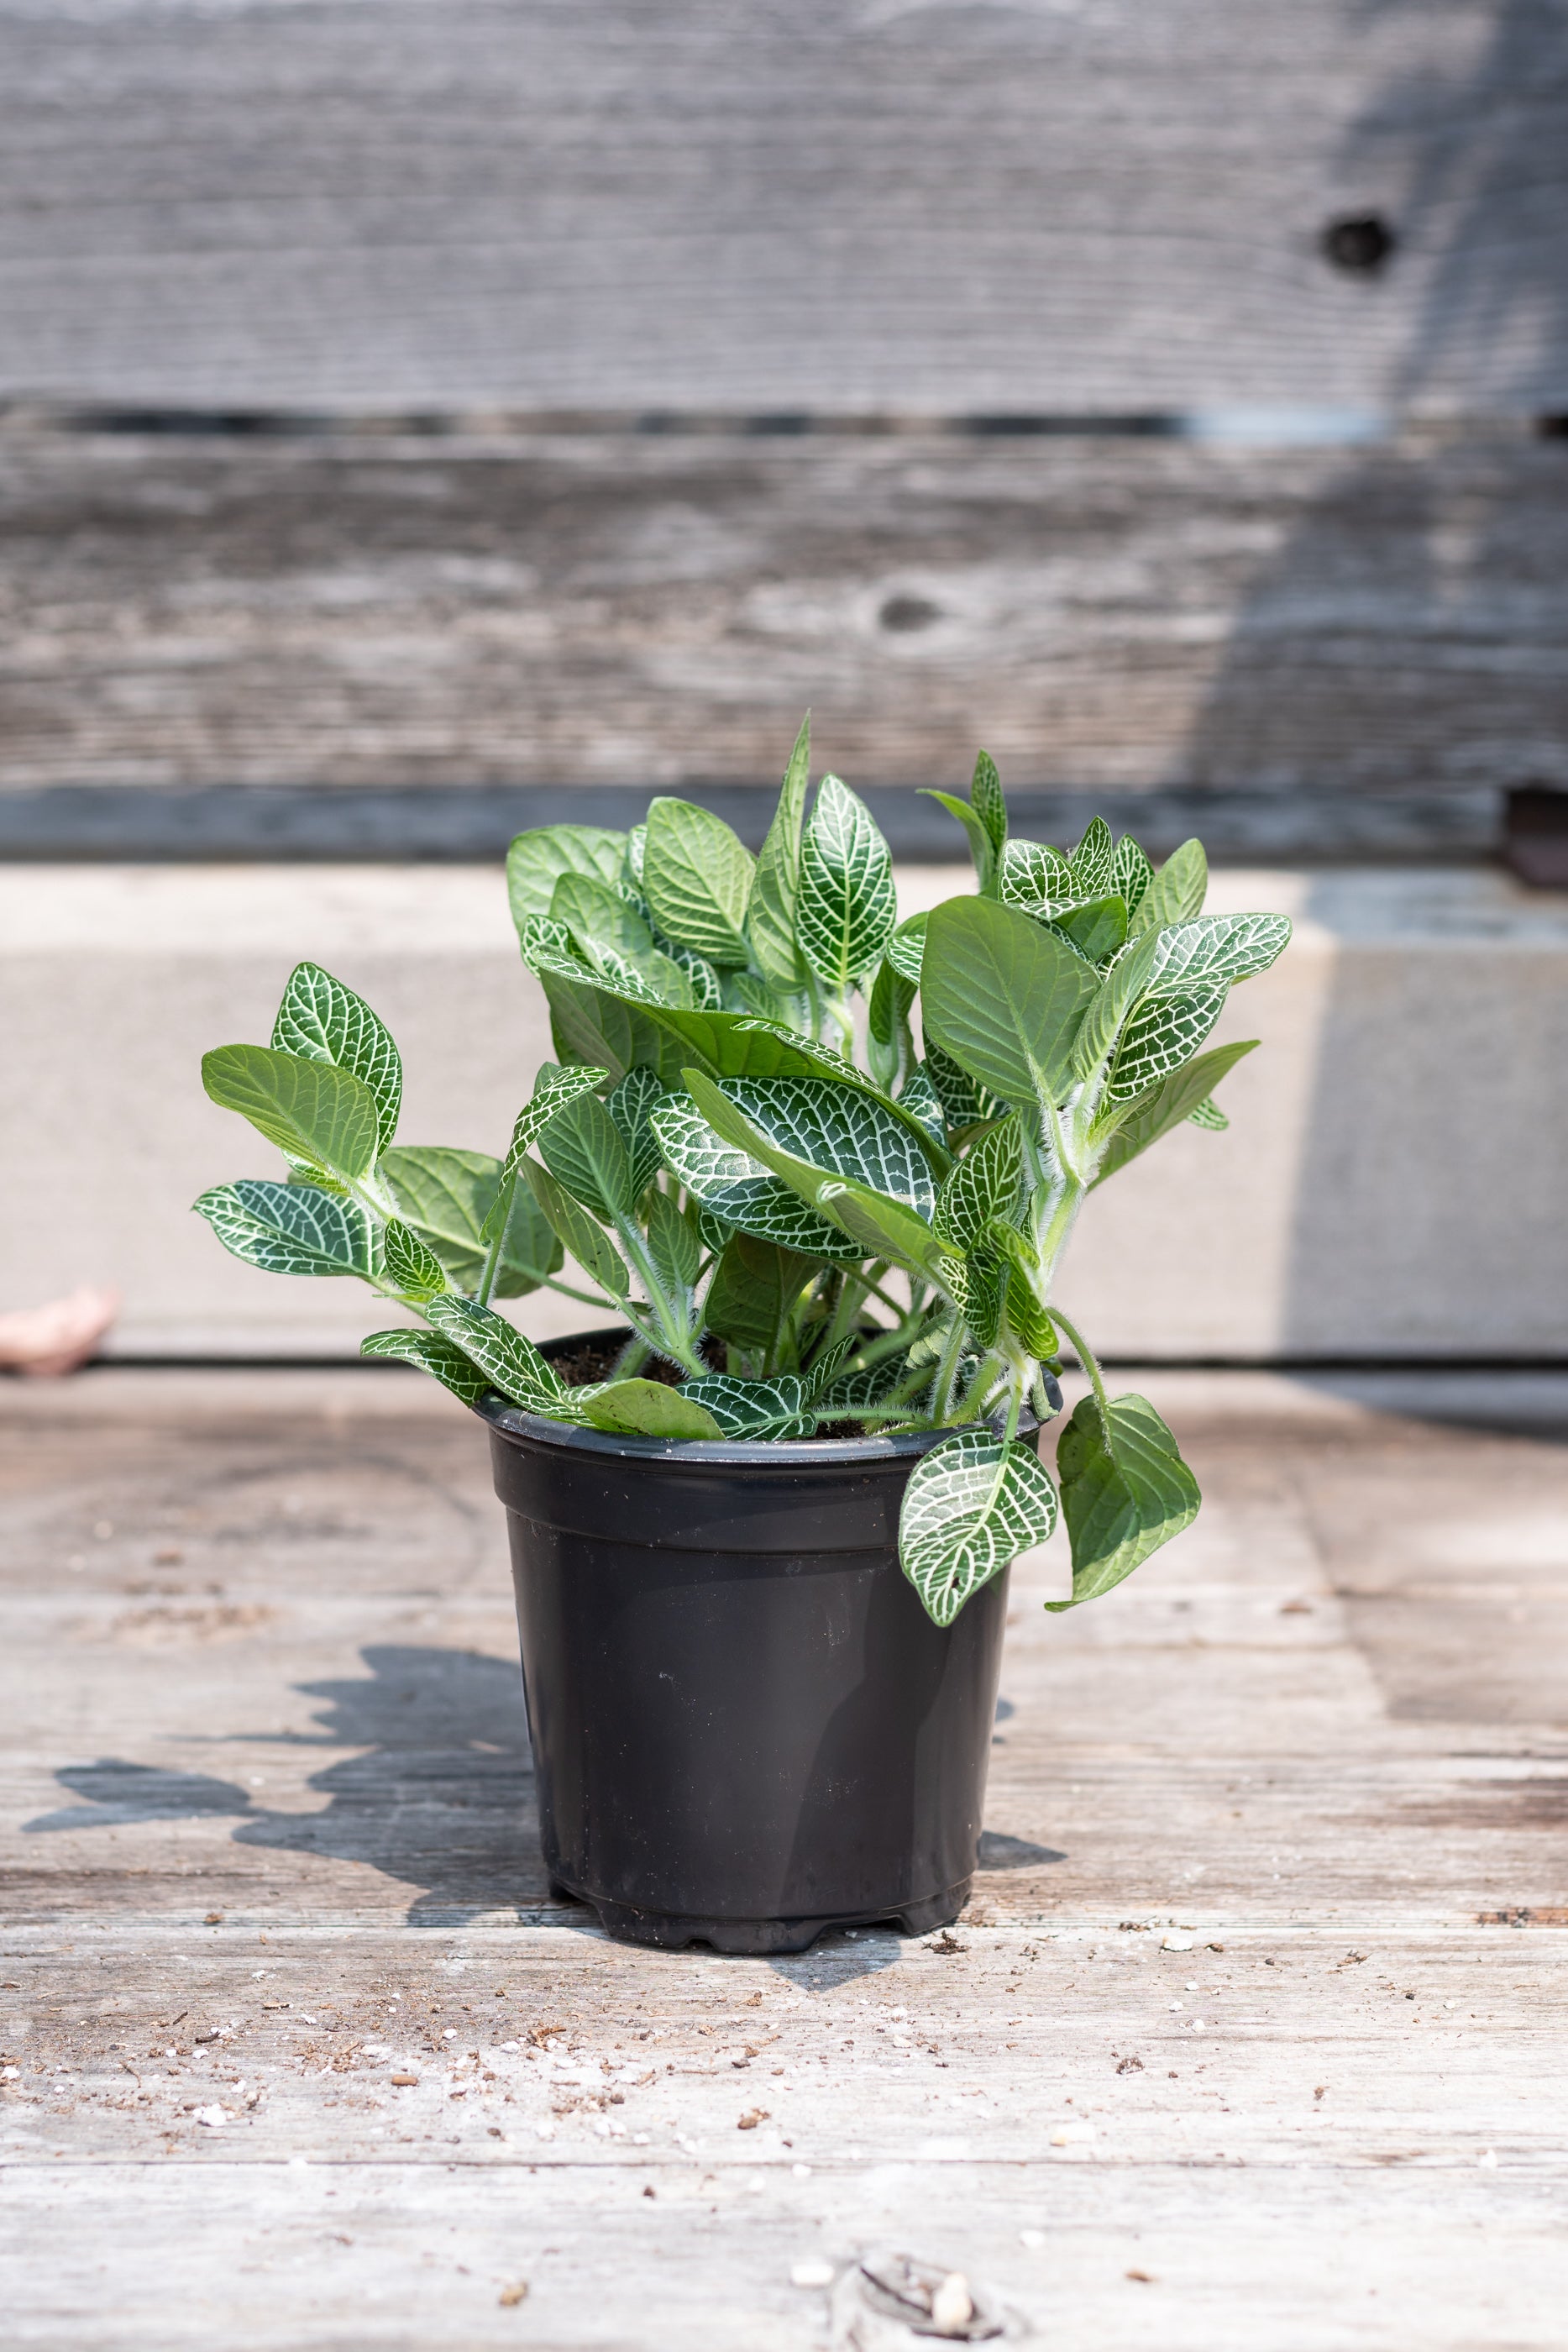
(873, 1385)
(755, 1288)
(642, 1408)
(509, 1362)
(1130, 873)
(1155, 1114)
(890, 1048)
(1028, 1319)
(290, 1228)
(639, 1093)
(982, 850)
(1216, 948)
(988, 800)
(594, 910)
(447, 1197)
(919, 1100)
(1209, 1115)
(536, 862)
(971, 1505)
(978, 1285)
(311, 1110)
(705, 989)
(802, 1057)
(1122, 988)
(770, 916)
(985, 1185)
(1125, 1491)
(673, 1243)
(963, 1104)
(883, 1227)
(593, 1025)
(697, 875)
(1035, 878)
(1004, 998)
(322, 1021)
(1177, 891)
(432, 1354)
(1162, 1035)
(734, 1186)
(583, 1238)
(554, 1090)
(846, 908)
(582, 1148)
(753, 1409)
(1093, 862)
(416, 1271)
(1097, 928)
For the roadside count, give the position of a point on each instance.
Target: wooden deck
(1254, 2035)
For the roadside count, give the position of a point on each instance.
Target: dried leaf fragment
(751, 2118)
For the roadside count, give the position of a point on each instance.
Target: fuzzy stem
(1085, 1355)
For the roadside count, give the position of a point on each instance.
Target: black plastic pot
(744, 1727)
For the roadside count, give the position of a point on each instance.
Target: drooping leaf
(883, 1227)
(846, 908)
(290, 1228)
(971, 1505)
(323, 1021)
(977, 1286)
(1214, 947)
(1163, 1034)
(984, 1185)
(642, 1408)
(639, 1093)
(1004, 998)
(755, 1288)
(431, 1353)
(753, 1409)
(415, 1270)
(554, 1089)
(1130, 873)
(311, 1110)
(982, 849)
(1155, 1114)
(1177, 891)
(512, 1364)
(697, 875)
(586, 1241)
(1093, 862)
(536, 860)
(673, 1243)
(738, 1188)
(770, 916)
(591, 1024)
(1125, 1491)
(447, 1197)
(583, 1150)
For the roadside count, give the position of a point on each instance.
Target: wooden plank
(1271, 1884)
(1252, 633)
(385, 203)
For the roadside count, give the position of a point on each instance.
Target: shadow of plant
(440, 1796)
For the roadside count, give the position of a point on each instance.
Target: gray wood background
(522, 219)
(832, 204)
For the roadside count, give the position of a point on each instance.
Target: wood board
(390, 204)
(1350, 652)
(1251, 2034)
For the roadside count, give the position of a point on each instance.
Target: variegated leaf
(583, 1150)
(1177, 891)
(988, 801)
(697, 877)
(755, 1288)
(512, 1364)
(982, 849)
(536, 860)
(918, 1098)
(673, 1243)
(447, 1197)
(733, 1186)
(1004, 997)
(639, 1092)
(1209, 1115)
(325, 1021)
(839, 1130)
(1130, 873)
(554, 1088)
(290, 1228)
(1035, 878)
(753, 1409)
(415, 1270)
(963, 1103)
(1093, 862)
(1134, 1127)
(1214, 947)
(846, 908)
(314, 1112)
(595, 910)
(971, 1505)
(985, 1185)
(1163, 1034)
(573, 1226)
(771, 915)
(431, 1353)
(905, 948)
(1125, 1491)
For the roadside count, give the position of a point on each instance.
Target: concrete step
(1392, 1184)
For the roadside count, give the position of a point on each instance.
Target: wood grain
(1240, 630)
(382, 204)
(1251, 2035)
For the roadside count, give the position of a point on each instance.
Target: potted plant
(761, 1526)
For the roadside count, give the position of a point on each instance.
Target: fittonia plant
(806, 1239)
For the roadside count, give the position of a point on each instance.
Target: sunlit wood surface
(1253, 2034)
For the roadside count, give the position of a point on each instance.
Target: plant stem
(947, 1372)
(1085, 1355)
(489, 1273)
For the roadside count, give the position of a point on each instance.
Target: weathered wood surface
(1339, 650)
(1253, 2035)
(387, 203)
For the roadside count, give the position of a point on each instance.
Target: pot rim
(512, 1422)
